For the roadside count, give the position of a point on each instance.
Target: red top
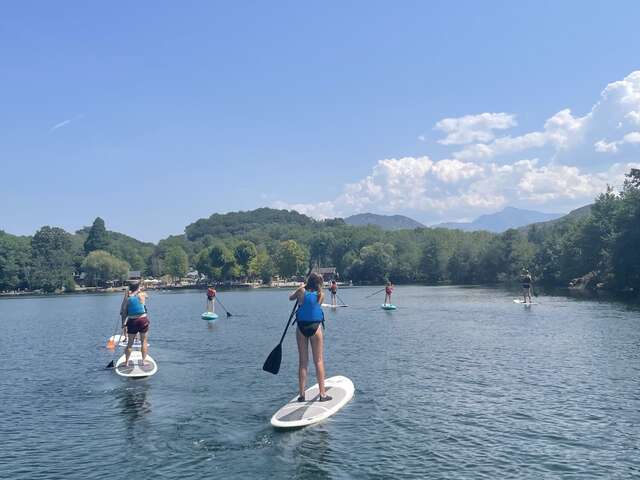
(388, 290)
(211, 292)
(333, 288)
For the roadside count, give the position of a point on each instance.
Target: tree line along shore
(598, 250)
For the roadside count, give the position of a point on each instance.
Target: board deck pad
(209, 316)
(119, 340)
(388, 306)
(297, 414)
(135, 367)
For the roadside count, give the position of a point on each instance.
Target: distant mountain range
(510, 217)
(386, 222)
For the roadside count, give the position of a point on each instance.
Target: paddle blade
(111, 345)
(110, 365)
(228, 314)
(272, 363)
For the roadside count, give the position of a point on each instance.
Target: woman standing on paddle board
(211, 297)
(309, 317)
(137, 321)
(334, 292)
(388, 290)
(526, 281)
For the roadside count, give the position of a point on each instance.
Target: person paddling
(388, 290)
(526, 281)
(334, 292)
(137, 321)
(309, 317)
(211, 297)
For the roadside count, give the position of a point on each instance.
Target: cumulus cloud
(474, 128)
(563, 165)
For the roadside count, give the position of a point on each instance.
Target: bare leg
(127, 351)
(303, 360)
(143, 345)
(317, 342)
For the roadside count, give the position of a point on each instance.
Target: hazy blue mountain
(510, 217)
(386, 222)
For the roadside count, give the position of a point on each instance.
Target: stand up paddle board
(135, 368)
(328, 305)
(297, 414)
(388, 306)
(209, 316)
(121, 342)
(521, 302)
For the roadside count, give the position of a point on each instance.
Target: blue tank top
(310, 311)
(134, 306)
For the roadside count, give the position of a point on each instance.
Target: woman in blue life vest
(309, 317)
(137, 320)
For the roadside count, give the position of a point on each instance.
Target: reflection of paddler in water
(137, 320)
(211, 298)
(334, 292)
(309, 317)
(388, 290)
(526, 281)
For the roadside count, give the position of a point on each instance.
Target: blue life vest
(134, 306)
(310, 311)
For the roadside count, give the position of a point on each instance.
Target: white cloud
(474, 128)
(59, 125)
(562, 166)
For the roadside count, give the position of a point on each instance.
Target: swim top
(388, 290)
(310, 310)
(211, 292)
(134, 306)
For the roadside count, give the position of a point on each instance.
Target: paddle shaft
(293, 311)
(375, 293)
(223, 307)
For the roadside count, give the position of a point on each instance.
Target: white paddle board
(521, 302)
(388, 306)
(135, 368)
(120, 341)
(209, 316)
(328, 305)
(297, 414)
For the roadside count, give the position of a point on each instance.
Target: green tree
(176, 262)
(52, 259)
(15, 261)
(321, 247)
(263, 266)
(291, 258)
(430, 263)
(244, 253)
(101, 267)
(223, 264)
(374, 263)
(98, 239)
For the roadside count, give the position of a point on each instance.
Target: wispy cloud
(64, 123)
(59, 125)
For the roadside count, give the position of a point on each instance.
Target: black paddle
(375, 293)
(273, 361)
(223, 307)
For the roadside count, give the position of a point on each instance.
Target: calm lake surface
(457, 383)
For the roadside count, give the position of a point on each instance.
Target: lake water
(457, 383)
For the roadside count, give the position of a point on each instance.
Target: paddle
(273, 361)
(339, 298)
(223, 307)
(375, 293)
(111, 345)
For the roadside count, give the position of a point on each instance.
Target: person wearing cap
(134, 312)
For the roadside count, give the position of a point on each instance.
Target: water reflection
(312, 456)
(133, 402)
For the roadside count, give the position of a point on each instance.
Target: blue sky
(155, 114)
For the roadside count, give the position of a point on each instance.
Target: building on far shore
(328, 273)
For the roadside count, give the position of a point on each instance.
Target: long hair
(314, 283)
(133, 286)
